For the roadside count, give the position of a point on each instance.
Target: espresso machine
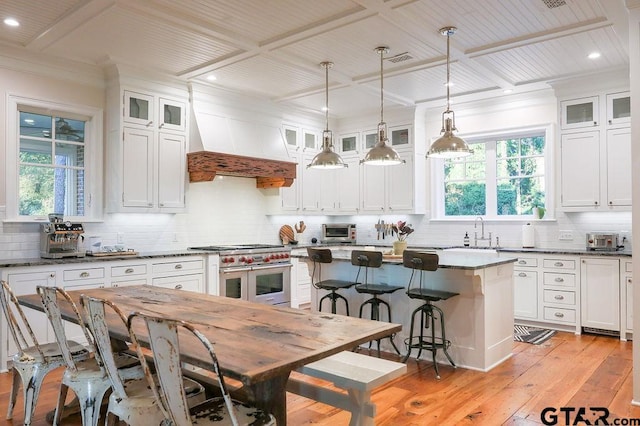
(60, 238)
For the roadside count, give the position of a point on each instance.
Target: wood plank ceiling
(272, 48)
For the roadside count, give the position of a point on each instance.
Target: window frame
(93, 148)
(437, 176)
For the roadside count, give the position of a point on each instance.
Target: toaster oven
(338, 233)
(604, 241)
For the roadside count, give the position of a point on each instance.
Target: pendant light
(382, 154)
(448, 145)
(327, 158)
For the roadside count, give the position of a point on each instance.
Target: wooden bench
(356, 373)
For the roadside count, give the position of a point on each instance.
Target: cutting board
(286, 233)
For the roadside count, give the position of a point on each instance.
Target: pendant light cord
(326, 94)
(381, 50)
(448, 72)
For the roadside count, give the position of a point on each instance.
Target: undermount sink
(474, 250)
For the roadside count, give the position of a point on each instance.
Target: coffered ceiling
(273, 48)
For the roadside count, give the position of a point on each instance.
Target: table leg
(271, 396)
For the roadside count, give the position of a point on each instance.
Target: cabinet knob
(610, 202)
(559, 314)
(149, 124)
(128, 271)
(52, 275)
(84, 274)
(610, 121)
(522, 262)
(559, 297)
(178, 287)
(559, 280)
(558, 264)
(178, 266)
(161, 125)
(595, 202)
(522, 274)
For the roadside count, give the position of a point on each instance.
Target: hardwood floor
(566, 371)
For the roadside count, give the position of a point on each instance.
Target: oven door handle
(232, 270)
(262, 267)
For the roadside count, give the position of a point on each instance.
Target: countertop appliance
(255, 272)
(603, 241)
(338, 233)
(60, 238)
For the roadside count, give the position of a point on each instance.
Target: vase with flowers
(402, 231)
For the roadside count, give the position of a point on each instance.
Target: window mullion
(491, 179)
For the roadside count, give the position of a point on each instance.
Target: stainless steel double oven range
(256, 272)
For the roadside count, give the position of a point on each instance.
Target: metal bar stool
(373, 259)
(320, 256)
(428, 312)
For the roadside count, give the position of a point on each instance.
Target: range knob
(242, 259)
(249, 260)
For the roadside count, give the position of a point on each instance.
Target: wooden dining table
(257, 344)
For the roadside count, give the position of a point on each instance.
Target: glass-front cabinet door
(370, 138)
(310, 140)
(400, 136)
(577, 113)
(619, 108)
(172, 115)
(348, 143)
(291, 137)
(138, 108)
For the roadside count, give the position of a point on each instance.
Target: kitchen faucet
(475, 234)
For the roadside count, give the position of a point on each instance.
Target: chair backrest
(365, 259)
(165, 347)
(50, 297)
(419, 261)
(96, 320)
(19, 327)
(319, 255)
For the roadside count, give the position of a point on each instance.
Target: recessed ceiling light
(507, 91)
(594, 55)
(211, 77)
(12, 22)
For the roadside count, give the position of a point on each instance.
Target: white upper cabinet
(291, 137)
(619, 109)
(595, 162)
(389, 189)
(349, 143)
(310, 140)
(146, 151)
(579, 113)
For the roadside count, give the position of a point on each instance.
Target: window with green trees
(51, 164)
(505, 176)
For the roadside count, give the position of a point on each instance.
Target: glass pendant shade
(382, 154)
(448, 145)
(327, 158)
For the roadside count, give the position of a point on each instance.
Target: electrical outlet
(119, 238)
(175, 237)
(565, 236)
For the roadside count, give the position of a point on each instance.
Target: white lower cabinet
(188, 273)
(300, 283)
(525, 290)
(600, 290)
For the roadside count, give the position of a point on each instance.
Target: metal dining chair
(165, 348)
(33, 361)
(86, 377)
(131, 400)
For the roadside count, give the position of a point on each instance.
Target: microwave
(338, 233)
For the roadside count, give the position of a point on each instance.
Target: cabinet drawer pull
(558, 264)
(559, 297)
(178, 287)
(129, 271)
(522, 262)
(84, 275)
(559, 280)
(522, 274)
(178, 266)
(559, 314)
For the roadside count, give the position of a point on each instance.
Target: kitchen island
(479, 320)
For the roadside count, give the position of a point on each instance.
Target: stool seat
(429, 294)
(334, 284)
(377, 288)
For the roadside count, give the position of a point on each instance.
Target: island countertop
(449, 260)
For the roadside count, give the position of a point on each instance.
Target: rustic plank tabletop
(255, 343)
